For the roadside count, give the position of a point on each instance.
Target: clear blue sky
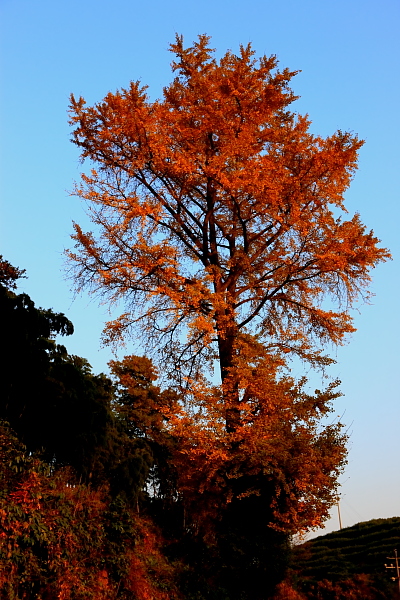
(348, 53)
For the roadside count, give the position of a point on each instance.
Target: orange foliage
(359, 587)
(221, 223)
(41, 527)
(284, 591)
(55, 539)
(150, 574)
(217, 207)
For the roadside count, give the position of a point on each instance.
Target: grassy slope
(363, 548)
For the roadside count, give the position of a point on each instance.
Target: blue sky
(348, 54)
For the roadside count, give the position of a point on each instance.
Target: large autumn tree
(220, 222)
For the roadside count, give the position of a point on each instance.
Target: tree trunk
(230, 385)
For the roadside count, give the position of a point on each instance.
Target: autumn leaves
(216, 211)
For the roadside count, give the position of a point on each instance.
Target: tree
(219, 223)
(9, 274)
(53, 401)
(28, 348)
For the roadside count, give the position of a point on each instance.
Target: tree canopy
(220, 222)
(219, 210)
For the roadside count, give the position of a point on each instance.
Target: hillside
(343, 555)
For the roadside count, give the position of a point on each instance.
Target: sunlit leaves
(220, 223)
